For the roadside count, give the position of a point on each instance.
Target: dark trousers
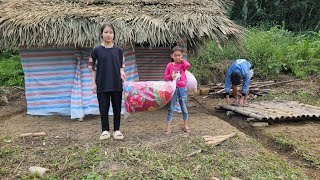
(104, 105)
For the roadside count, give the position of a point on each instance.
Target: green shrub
(11, 73)
(273, 52)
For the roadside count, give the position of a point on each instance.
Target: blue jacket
(242, 66)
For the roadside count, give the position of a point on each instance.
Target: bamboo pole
(270, 112)
(303, 109)
(276, 83)
(236, 109)
(279, 110)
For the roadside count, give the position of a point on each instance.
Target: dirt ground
(65, 138)
(16, 103)
(63, 134)
(137, 127)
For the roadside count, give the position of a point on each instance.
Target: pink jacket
(182, 67)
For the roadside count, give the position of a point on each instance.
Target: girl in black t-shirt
(107, 77)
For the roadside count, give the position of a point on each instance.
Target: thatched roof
(77, 22)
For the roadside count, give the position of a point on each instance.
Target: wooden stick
(20, 88)
(220, 91)
(33, 134)
(199, 105)
(18, 166)
(270, 84)
(217, 137)
(196, 152)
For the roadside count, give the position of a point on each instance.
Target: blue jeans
(181, 95)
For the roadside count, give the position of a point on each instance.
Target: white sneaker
(105, 135)
(118, 135)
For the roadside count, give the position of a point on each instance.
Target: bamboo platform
(273, 111)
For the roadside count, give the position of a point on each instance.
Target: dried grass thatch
(77, 22)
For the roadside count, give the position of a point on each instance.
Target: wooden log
(33, 134)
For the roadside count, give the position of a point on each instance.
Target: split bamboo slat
(276, 110)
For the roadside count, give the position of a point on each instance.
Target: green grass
(219, 162)
(169, 162)
(301, 95)
(237, 157)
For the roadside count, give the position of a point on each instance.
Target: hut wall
(152, 61)
(58, 81)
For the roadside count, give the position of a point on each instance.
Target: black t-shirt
(107, 62)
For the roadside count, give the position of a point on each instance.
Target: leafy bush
(11, 73)
(273, 52)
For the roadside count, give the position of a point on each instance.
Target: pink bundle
(147, 95)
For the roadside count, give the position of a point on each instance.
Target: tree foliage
(293, 15)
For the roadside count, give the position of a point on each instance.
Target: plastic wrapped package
(147, 95)
(191, 82)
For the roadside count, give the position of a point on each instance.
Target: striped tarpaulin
(152, 62)
(58, 81)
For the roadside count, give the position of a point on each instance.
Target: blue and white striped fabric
(58, 81)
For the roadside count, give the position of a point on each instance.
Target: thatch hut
(55, 38)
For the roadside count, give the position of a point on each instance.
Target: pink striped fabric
(58, 80)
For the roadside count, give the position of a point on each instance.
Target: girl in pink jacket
(176, 70)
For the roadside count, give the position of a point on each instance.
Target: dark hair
(176, 48)
(107, 25)
(236, 78)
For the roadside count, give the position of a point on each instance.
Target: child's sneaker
(118, 135)
(105, 135)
